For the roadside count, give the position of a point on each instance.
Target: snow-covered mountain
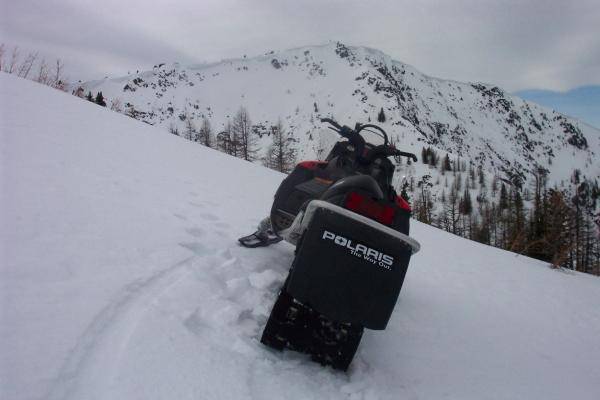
(478, 122)
(121, 278)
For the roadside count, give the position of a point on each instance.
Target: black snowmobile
(350, 229)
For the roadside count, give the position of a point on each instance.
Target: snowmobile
(350, 229)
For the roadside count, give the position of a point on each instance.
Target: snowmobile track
(94, 360)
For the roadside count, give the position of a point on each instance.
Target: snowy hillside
(478, 122)
(120, 278)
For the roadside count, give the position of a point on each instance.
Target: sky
(517, 45)
(582, 103)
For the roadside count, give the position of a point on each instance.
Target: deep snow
(121, 278)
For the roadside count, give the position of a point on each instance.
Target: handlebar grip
(387, 151)
(349, 134)
(410, 155)
(332, 122)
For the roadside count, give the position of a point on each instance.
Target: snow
(474, 118)
(121, 278)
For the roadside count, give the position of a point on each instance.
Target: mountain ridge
(475, 121)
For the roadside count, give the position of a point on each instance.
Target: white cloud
(550, 44)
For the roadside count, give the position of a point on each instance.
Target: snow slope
(121, 278)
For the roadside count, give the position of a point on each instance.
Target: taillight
(368, 207)
(312, 165)
(403, 203)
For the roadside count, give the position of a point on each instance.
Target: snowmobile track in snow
(93, 362)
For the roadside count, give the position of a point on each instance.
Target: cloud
(91, 42)
(546, 44)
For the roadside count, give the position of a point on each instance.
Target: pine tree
(225, 141)
(451, 211)
(458, 182)
(100, 100)
(558, 240)
(404, 191)
(482, 231)
(494, 185)
(494, 224)
(538, 216)
(481, 175)
(430, 156)
(472, 176)
(515, 224)
(503, 198)
(89, 97)
(466, 204)
(190, 133)
(205, 134)
(424, 203)
(244, 138)
(173, 129)
(466, 209)
(446, 165)
(281, 154)
(381, 116)
(424, 156)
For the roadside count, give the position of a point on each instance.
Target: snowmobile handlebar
(360, 127)
(331, 122)
(405, 154)
(388, 151)
(354, 136)
(351, 134)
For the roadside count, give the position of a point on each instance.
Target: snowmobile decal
(360, 250)
(315, 205)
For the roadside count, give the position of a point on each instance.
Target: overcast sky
(515, 44)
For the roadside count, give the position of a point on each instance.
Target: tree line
(559, 225)
(32, 66)
(239, 138)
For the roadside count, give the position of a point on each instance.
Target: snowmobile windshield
(325, 141)
(372, 136)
